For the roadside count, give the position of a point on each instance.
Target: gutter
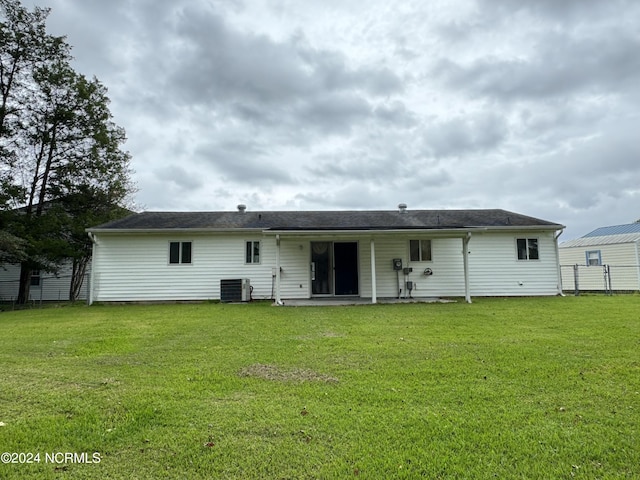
(94, 247)
(134, 231)
(513, 228)
(637, 242)
(456, 233)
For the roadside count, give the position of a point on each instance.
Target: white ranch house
(181, 256)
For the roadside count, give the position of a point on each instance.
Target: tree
(24, 44)
(11, 248)
(95, 184)
(62, 160)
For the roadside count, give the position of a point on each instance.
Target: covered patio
(369, 238)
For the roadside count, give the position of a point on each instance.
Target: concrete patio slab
(333, 301)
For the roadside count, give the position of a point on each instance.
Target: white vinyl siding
(295, 264)
(622, 259)
(447, 268)
(496, 271)
(135, 267)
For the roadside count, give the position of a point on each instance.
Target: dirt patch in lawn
(275, 373)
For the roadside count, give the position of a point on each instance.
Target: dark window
(420, 250)
(527, 249)
(179, 252)
(186, 252)
(174, 252)
(252, 252)
(35, 278)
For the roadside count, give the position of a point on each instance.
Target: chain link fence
(607, 279)
(44, 289)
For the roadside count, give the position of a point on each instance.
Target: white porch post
(465, 262)
(374, 293)
(278, 299)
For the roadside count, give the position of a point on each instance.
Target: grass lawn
(545, 388)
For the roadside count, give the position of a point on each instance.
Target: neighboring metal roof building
(616, 234)
(602, 240)
(326, 220)
(615, 230)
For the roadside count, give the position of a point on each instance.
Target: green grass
(502, 388)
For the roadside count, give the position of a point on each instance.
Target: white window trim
(537, 239)
(179, 253)
(252, 262)
(599, 252)
(36, 274)
(421, 260)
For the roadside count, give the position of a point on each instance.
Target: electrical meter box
(397, 264)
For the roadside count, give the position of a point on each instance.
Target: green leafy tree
(12, 248)
(63, 161)
(24, 44)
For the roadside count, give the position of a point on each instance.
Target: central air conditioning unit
(235, 290)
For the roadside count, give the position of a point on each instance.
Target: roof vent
(402, 208)
(242, 208)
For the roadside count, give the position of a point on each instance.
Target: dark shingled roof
(325, 220)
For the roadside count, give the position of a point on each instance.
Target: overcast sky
(336, 104)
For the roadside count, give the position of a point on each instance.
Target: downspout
(465, 263)
(559, 268)
(94, 247)
(374, 293)
(278, 299)
(637, 242)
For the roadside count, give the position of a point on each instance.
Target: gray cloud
(333, 113)
(241, 161)
(465, 135)
(218, 63)
(179, 176)
(355, 193)
(566, 11)
(215, 63)
(560, 66)
(395, 113)
(530, 106)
